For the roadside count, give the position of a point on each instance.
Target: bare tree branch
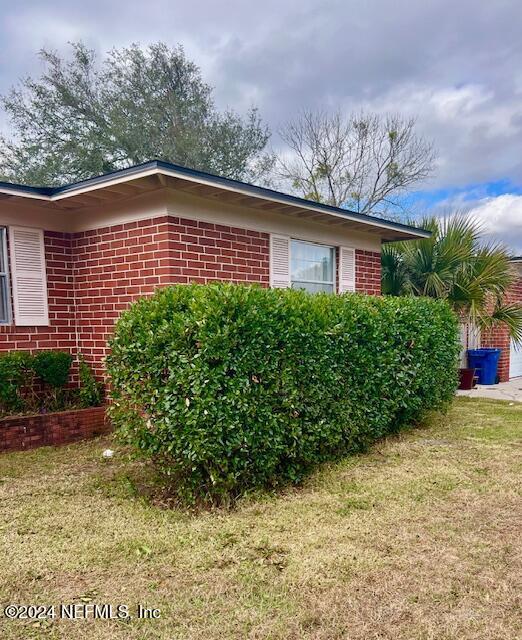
(364, 162)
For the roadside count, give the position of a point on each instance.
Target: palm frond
(395, 276)
(509, 315)
(457, 265)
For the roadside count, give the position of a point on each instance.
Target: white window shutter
(27, 251)
(346, 269)
(279, 262)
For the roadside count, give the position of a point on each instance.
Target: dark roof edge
(218, 180)
(107, 177)
(23, 188)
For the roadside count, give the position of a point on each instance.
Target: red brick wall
(368, 272)
(27, 432)
(498, 337)
(115, 265)
(94, 275)
(61, 334)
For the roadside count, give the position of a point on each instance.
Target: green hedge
(231, 387)
(16, 373)
(38, 382)
(52, 367)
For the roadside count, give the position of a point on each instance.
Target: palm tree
(456, 265)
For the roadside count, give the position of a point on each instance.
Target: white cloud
(455, 66)
(501, 217)
(477, 135)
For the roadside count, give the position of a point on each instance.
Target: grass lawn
(420, 538)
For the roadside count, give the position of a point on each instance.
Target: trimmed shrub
(91, 391)
(230, 387)
(16, 373)
(53, 367)
(31, 383)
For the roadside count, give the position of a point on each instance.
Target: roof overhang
(155, 175)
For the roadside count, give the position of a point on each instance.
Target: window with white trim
(5, 313)
(312, 266)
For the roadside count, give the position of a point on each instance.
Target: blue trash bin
(485, 363)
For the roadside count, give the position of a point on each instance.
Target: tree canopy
(363, 161)
(84, 117)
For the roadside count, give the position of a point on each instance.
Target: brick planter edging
(18, 433)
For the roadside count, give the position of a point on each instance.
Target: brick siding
(115, 265)
(498, 337)
(28, 432)
(368, 272)
(94, 275)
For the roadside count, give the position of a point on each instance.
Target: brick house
(510, 363)
(73, 257)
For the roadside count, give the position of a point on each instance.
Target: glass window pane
(313, 287)
(311, 262)
(4, 317)
(3, 259)
(312, 266)
(4, 292)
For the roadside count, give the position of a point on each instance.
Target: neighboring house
(510, 363)
(73, 257)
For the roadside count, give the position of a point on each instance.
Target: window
(5, 315)
(312, 267)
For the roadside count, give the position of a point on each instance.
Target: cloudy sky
(455, 65)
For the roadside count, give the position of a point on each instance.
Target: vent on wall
(29, 281)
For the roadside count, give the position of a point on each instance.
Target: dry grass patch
(419, 538)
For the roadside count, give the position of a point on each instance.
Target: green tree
(83, 117)
(457, 265)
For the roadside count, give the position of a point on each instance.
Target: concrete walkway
(511, 390)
